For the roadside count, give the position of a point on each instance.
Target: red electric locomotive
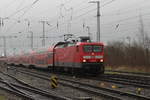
(72, 56)
(83, 56)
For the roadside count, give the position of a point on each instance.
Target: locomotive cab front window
(87, 48)
(92, 48)
(97, 48)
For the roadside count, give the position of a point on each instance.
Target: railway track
(128, 73)
(143, 82)
(101, 91)
(11, 89)
(27, 91)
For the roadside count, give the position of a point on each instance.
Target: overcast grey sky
(119, 19)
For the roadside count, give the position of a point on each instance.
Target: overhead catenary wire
(125, 19)
(93, 10)
(26, 7)
(20, 4)
(128, 18)
(55, 18)
(116, 13)
(130, 7)
(90, 11)
(84, 8)
(29, 7)
(9, 4)
(84, 13)
(101, 16)
(74, 11)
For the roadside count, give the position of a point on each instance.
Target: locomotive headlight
(87, 57)
(101, 60)
(98, 57)
(84, 60)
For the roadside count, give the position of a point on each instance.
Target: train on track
(82, 56)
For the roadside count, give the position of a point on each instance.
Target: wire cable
(26, 7)
(29, 7)
(85, 13)
(128, 18)
(9, 4)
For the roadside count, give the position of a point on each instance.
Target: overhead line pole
(4, 41)
(43, 41)
(43, 33)
(88, 29)
(29, 30)
(98, 19)
(31, 39)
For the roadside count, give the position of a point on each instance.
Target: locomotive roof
(77, 43)
(92, 43)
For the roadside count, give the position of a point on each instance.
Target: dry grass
(2, 97)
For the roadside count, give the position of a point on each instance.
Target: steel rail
(30, 88)
(14, 90)
(80, 85)
(121, 79)
(132, 73)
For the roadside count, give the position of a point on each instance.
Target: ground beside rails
(76, 88)
(111, 93)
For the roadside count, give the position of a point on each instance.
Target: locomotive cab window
(87, 48)
(92, 48)
(71, 44)
(97, 48)
(60, 46)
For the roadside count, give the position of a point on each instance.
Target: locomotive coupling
(54, 82)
